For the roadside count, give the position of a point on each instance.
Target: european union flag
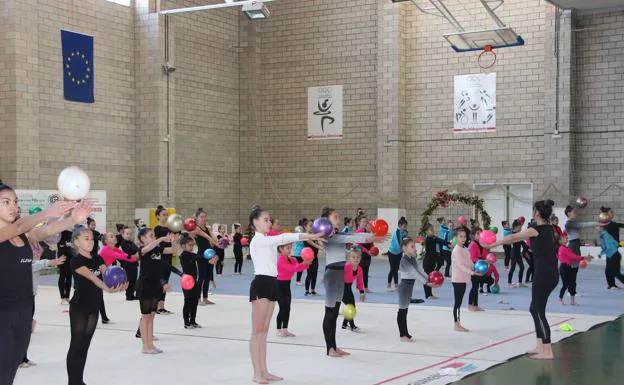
(78, 74)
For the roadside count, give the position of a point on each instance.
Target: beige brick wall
(238, 106)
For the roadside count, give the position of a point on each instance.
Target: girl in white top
(263, 290)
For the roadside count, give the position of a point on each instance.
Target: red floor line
(467, 354)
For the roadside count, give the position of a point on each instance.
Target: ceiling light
(256, 11)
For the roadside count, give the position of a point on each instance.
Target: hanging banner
(325, 112)
(475, 103)
(44, 198)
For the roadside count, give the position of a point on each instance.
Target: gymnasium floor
(217, 354)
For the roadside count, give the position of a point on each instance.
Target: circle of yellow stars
(77, 57)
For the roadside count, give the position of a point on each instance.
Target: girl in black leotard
(545, 279)
(16, 285)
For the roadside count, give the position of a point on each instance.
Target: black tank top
(544, 251)
(16, 284)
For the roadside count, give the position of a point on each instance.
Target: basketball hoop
(487, 58)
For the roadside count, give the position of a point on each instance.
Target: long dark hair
(326, 212)
(256, 211)
(5, 186)
(544, 208)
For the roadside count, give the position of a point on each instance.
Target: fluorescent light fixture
(256, 11)
(253, 4)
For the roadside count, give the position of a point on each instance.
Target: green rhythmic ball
(454, 242)
(34, 210)
(494, 229)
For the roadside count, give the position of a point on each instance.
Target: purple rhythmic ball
(115, 276)
(322, 225)
(224, 242)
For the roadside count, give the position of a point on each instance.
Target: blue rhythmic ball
(115, 276)
(209, 254)
(481, 267)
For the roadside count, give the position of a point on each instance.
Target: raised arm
(513, 238)
(352, 238)
(79, 214)
(26, 224)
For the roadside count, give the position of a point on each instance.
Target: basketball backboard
(478, 40)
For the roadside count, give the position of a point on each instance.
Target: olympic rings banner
(325, 112)
(44, 198)
(475, 103)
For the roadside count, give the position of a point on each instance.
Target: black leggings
(132, 270)
(284, 298)
(529, 274)
(446, 256)
(82, 328)
(429, 264)
(220, 262)
(64, 280)
(507, 249)
(542, 287)
(473, 296)
(516, 260)
(402, 323)
(238, 265)
(15, 329)
(365, 263)
(203, 283)
(613, 269)
(568, 279)
(310, 281)
(459, 289)
(395, 262)
(329, 326)
(299, 273)
(103, 310)
(189, 310)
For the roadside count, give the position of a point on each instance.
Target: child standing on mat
(395, 253)
(238, 248)
(477, 253)
(568, 273)
(353, 272)
(86, 302)
(312, 272)
(431, 256)
(287, 266)
(409, 271)
(506, 232)
(189, 260)
(461, 273)
(516, 257)
(263, 289)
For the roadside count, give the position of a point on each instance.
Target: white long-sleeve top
(263, 251)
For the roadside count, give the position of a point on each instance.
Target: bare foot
(522, 285)
(535, 351)
(150, 351)
(459, 328)
(334, 353)
(472, 308)
(281, 333)
(561, 301)
(406, 339)
(541, 356)
(289, 334)
(342, 352)
(260, 380)
(271, 377)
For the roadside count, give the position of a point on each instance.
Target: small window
(122, 2)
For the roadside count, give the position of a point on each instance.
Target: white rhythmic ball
(73, 183)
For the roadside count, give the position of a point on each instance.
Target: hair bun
(256, 207)
(200, 209)
(549, 202)
(160, 207)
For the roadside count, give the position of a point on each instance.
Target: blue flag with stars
(78, 74)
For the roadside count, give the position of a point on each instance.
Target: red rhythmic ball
(521, 220)
(491, 258)
(188, 282)
(307, 254)
(583, 264)
(461, 220)
(379, 227)
(190, 224)
(244, 241)
(374, 251)
(436, 278)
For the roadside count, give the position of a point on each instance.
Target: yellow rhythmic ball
(349, 312)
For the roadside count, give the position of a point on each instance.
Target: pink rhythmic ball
(487, 237)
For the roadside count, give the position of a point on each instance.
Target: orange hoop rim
(487, 49)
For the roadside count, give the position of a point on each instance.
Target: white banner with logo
(44, 198)
(325, 112)
(475, 103)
